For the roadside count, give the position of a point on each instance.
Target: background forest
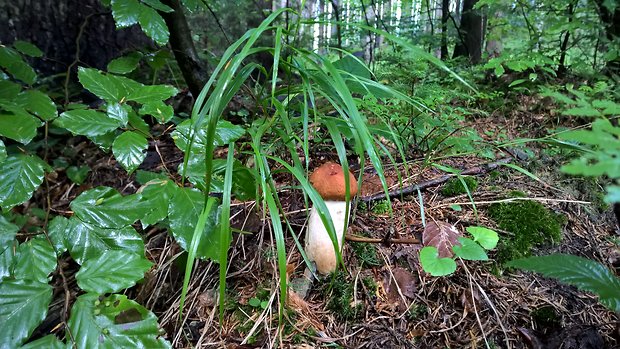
(155, 156)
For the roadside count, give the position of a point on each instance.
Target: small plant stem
(357, 238)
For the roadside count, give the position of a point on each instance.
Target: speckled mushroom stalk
(328, 180)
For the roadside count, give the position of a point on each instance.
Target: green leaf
(99, 84)
(130, 150)
(9, 90)
(2, 151)
(8, 231)
(126, 64)
(7, 259)
(183, 211)
(159, 110)
(119, 112)
(486, 237)
(125, 12)
(153, 25)
(106, 208)
(58, 230)
(469, 250)
(36, 259)
(27, 48)
(613, 194)
(152, 93)
(77, 174)
(86, 122)
(582, 111)
(20, 176)
(112, 271)
(13, 63)
(38, 103)
(156, 4)
(86, 241)
(432, 264)
(48, 342)
(156, 194)
(113, 322)
(585, 274)
(23, 305)
(20, 127)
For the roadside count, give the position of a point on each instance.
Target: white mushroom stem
(319, 246)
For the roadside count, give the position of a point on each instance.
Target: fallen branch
(357, 238)
(413, 188)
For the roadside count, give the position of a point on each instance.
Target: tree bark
(564, 45)
(445, 15)
(193, 69)
(471, 29)
(55, 27)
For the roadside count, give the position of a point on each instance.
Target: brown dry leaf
(441, 235)
(468, 302)
(405, 281)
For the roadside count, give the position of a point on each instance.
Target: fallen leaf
(441, 235)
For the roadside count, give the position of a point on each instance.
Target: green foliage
(530, 224)
(381, 207)
(545, 318)
(366, 253)
(454, 186)
(585, 274)
(467, 249)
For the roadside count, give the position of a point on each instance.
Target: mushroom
(329, 181)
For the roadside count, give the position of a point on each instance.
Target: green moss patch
(530, 223)
(454, 187)
(339, 294)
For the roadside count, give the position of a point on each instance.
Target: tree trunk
(445, 15)
(471, 30)
(338, 29)
(56, 26)
(564, 45)
(193, 69)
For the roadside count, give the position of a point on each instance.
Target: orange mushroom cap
(328, 180)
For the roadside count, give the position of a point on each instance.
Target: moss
(339, 295)
(381, 207)
(416, 311)
(371, 285)
(366, 253)
(454, 187)
(530, 223)
(545, 318)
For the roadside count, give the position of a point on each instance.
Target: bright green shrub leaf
(432, 264)
(125, 12)
(191, 5)
(9, 90)
(486, 237)
(38, 103)
(159, 110)
(183, 211)
(156, 4)
(86, 241)
(36, 259)
(139, 124)
(27, 48)
(144, 177)
(112, 271)
(23, 305)
(153, 25)
(20, 176)
(113, 322)
(152, 93)
(469, 250)
(8, 231)
(13, 63)
(7, 259)
(582, 111)
(21, 127)
(77, 174)
(100, 85)
(119, 112)
(105, 141)
(225, 133)
(86, 122)
(126, 64)
(48, 342)
(106, 208)
(130, 150)
(124, 85)
(2, 151)
(58, 230)
(583, 273)
(156, 194)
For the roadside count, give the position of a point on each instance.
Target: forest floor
(384, 299)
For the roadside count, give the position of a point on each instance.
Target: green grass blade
(225, 225)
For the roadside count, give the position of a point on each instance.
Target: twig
(513, 199)
(357, 238)
(476, 170)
